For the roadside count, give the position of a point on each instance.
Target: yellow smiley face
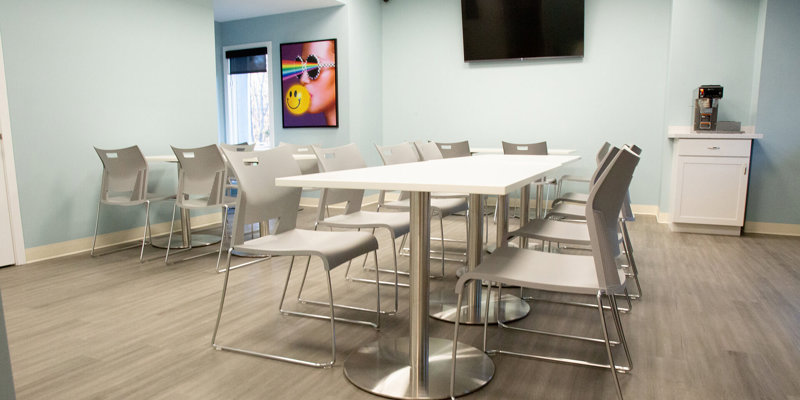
(297, 99)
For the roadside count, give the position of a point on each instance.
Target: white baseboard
(46, 252)
(49, 251)
(770, 228)
(765, 228)
(705, 229)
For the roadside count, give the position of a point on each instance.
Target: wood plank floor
(720, 319)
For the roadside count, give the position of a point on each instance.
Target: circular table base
(382, 368)
(198, 240)
(242, 253)
(442, 306)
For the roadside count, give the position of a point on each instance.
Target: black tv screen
(501, 29)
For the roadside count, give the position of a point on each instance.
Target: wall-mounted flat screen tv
(502, 29)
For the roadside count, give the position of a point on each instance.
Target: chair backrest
(337, 159)
(237, 147)
(601, 167)
(259, 199)
(428, 151)
(397, 154)
(601, 154)
(454, 149)
(124, 171)
(531, 149)
(202, 173)
(627, 211)
(602, 213)
(306, 166)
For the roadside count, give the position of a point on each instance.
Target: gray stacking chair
(442, 204)
(454, 149)
(531, 149)
(576, 232)
(395, 223)
(202, 182)
(261, 200)
(572, 211)
(233, 147)
(306, 166)
(596, 275)
(124, 183)
(537, 149)
(578, 197)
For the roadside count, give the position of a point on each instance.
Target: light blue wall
(711, 42)
(328, 23)
(615, 92)
(774, 185)
(106, 73)
(357, 28)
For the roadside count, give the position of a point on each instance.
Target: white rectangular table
(419, 366)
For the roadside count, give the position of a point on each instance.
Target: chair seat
(567, 232)
(333, 247)
(125, 200)
(555, 231)
(202, 202)
(538, 270)
(397, 222)
(568, 210)
(574, 197)
(445, 206)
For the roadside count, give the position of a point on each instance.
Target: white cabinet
(709, 184)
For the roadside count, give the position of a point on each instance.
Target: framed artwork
(308, 84)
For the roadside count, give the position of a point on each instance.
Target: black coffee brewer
(706, 106)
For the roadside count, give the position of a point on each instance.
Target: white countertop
(706, 135)
(489, 174)
(686, 132)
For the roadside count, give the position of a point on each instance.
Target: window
(248, 95)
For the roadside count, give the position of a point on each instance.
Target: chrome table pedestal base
(382, 368)
(443, 307)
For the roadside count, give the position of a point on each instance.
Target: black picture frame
(309, 88)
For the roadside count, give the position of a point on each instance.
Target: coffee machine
(706, 106)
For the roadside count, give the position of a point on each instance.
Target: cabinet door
(711, 190)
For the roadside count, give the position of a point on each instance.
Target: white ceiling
(229, 10)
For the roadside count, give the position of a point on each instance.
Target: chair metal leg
(607, 343)
(332, 318)
(171, 227)
(222, 236)
(96, 224)
(455, 345)
(144, 235)
(378, 288)
(441, 231)
(222, 299)
(620, 331)
(321, 303)
(394, 271)
(486, 315)
(502, 324)
(626, 245)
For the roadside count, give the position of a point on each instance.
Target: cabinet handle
(714, 148)
(745, 170)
